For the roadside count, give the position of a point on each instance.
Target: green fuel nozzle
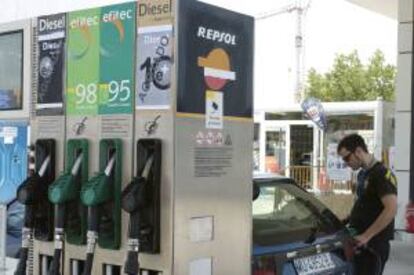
(63, 189)
(97, 190)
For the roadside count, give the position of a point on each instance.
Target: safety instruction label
(212, 161)
(8, 134)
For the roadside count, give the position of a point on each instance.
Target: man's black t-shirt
(380, 181)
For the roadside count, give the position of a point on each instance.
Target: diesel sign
(154, 9)
(51, 23)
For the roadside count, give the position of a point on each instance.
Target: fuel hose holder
(44, 210)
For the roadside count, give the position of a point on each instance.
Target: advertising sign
(154, 64)
(336, 168)
(214, 58)
(51, 39)
(314, 110)
(13, 158)
(101, 45)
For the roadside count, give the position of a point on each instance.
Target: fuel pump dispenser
(63, 193)
(32, 193)
(141, 200)
(171, 72)
(206, 129)
(99, 195)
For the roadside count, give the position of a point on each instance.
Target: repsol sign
(154, 9)
(216, 35)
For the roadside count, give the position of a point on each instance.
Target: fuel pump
(99, 192)
(32, 193)
(141, 200)
(62, 191)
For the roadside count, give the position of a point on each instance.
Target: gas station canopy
(388, 8)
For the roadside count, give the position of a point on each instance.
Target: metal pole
(411, 186)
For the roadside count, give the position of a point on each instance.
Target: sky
(331, 27)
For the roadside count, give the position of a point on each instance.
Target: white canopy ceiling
(386, 7)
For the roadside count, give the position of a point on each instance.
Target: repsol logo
(216, 35)
(145, 9)
(50, 25)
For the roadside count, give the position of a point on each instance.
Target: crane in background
(299, 7)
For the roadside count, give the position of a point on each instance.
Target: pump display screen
(11, 70)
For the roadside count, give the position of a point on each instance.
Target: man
(372, 216)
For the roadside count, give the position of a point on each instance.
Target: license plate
(314, 264)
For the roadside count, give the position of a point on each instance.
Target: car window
(285, 213)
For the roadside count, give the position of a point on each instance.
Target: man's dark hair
(351, 142)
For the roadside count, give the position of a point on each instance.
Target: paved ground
(401, 260)
(10, 267)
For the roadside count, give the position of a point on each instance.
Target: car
(294, 233)
(15, 217)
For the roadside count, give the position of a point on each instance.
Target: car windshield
(284, 213)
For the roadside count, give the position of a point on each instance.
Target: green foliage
(350, 80)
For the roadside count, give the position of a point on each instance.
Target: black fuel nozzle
(33, 189)
(29, 193)
(135, 197)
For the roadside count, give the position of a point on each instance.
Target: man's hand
(361, 240)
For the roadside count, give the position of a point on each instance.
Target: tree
(350, 80)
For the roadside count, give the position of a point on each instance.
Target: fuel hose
(61, 192)
(134, 198)
(27, 195)
(94, 195)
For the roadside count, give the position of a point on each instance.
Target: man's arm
(387, 215)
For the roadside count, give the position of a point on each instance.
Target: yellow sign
(154, 12)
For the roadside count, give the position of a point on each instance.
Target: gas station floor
(401, 261)
(10, 267)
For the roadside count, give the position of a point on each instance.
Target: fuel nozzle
(63, 190)
(29, 193)
(95, 192)
(135, 197)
